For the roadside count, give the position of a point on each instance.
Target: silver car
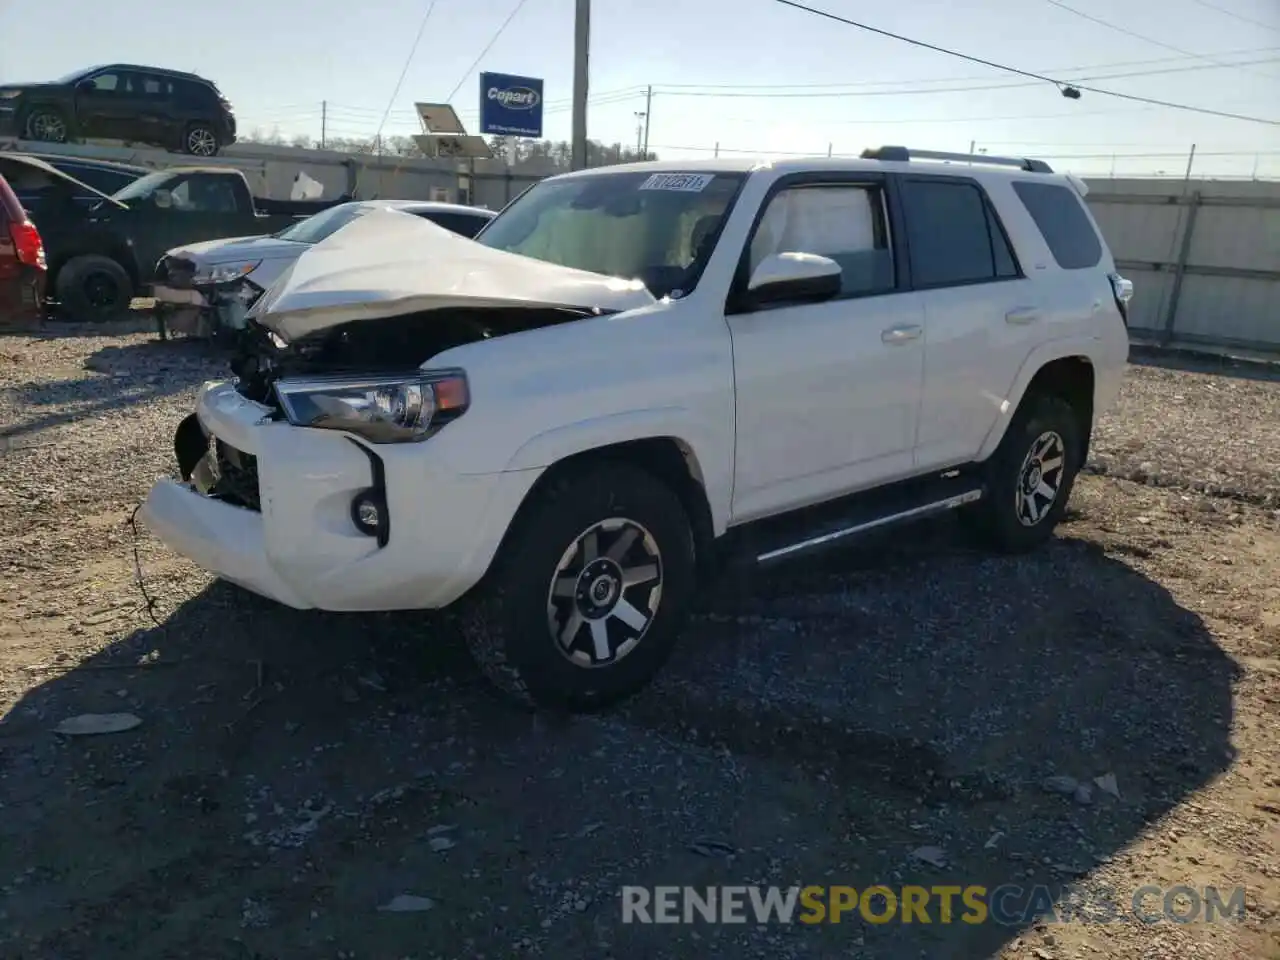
(202, 288)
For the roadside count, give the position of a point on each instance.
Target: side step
(777, 539)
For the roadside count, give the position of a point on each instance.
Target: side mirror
(793, 277)
(85, 86)
(162, 199)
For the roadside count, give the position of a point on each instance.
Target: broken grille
(236, 476)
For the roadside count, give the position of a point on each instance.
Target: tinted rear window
(1060, 215)
(195, 94)
(951, 235)
(464, 223)
(104, 181)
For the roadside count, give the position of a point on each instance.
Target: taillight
(27, 243)
(1122, 289)
(226, 104)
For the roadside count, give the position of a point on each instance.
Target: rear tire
(200, 140)
(1030, 476)
(93, 288)
(585, 600)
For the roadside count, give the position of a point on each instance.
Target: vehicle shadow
(294, 770)
(140, 320)
(932, 694)
(128, 375)
(1189, 362)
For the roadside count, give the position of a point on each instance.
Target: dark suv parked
(164, 108)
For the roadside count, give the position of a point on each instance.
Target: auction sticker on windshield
(686, 182)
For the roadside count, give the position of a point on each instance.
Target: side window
(843, 222)
(130, 84)
(1058, 213)
(153, 86)
(105, 83)
(204, 195)
(950, 233)
(1006, 265)
(191, 94)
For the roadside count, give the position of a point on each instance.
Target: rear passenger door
(981, 313)
(827, 394)
(153, 93)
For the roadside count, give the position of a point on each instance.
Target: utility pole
(639, 131)
(581, 50)
(324, 121)
(648, 109)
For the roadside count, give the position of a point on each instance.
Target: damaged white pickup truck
(562, 428)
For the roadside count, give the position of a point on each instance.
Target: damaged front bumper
(203, 310)
(268, 505)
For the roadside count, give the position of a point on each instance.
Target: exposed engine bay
(393, 343)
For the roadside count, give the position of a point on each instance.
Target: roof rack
(902, 154)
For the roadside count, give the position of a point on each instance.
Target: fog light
(367, 511)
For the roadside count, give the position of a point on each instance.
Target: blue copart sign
(510, 106)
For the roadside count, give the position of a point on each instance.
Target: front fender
(1093, 349)
(711, 465)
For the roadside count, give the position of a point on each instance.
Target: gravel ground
(893, 714)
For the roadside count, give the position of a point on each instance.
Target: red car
(22, 264)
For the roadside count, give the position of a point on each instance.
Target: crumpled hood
(386, 264)
(233, 249)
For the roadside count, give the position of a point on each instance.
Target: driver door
(102, 109)
(199, 207)
(827, 394)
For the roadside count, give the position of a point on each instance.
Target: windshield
(318, 226)
(142, 187)
(659, 228)
(77, 75)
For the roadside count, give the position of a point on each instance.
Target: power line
(405, 69)
(487, 47)
(1129, 33)
(1055, 156)
(1026, 73)
(1231, 13)
(1060, 70)
(905, 93)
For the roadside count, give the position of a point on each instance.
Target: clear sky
(752, 76)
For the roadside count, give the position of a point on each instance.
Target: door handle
(1022, 315)
(901, 334)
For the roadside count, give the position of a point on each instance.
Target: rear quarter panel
(1080, 317)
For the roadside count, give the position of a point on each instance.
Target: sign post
(510, 106)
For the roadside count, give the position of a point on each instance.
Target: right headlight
(224, 272)
(382, 408)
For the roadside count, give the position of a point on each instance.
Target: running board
(915, 513)
(827, 524)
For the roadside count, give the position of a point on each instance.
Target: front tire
(45, 124)
(94, 288)
(586, 598)
(1030, 476)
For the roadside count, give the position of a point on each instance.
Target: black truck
(101, 255)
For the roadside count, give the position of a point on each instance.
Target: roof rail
(902, 154)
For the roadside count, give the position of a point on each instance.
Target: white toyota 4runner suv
(635, 372)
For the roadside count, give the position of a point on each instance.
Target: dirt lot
(893, 714)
